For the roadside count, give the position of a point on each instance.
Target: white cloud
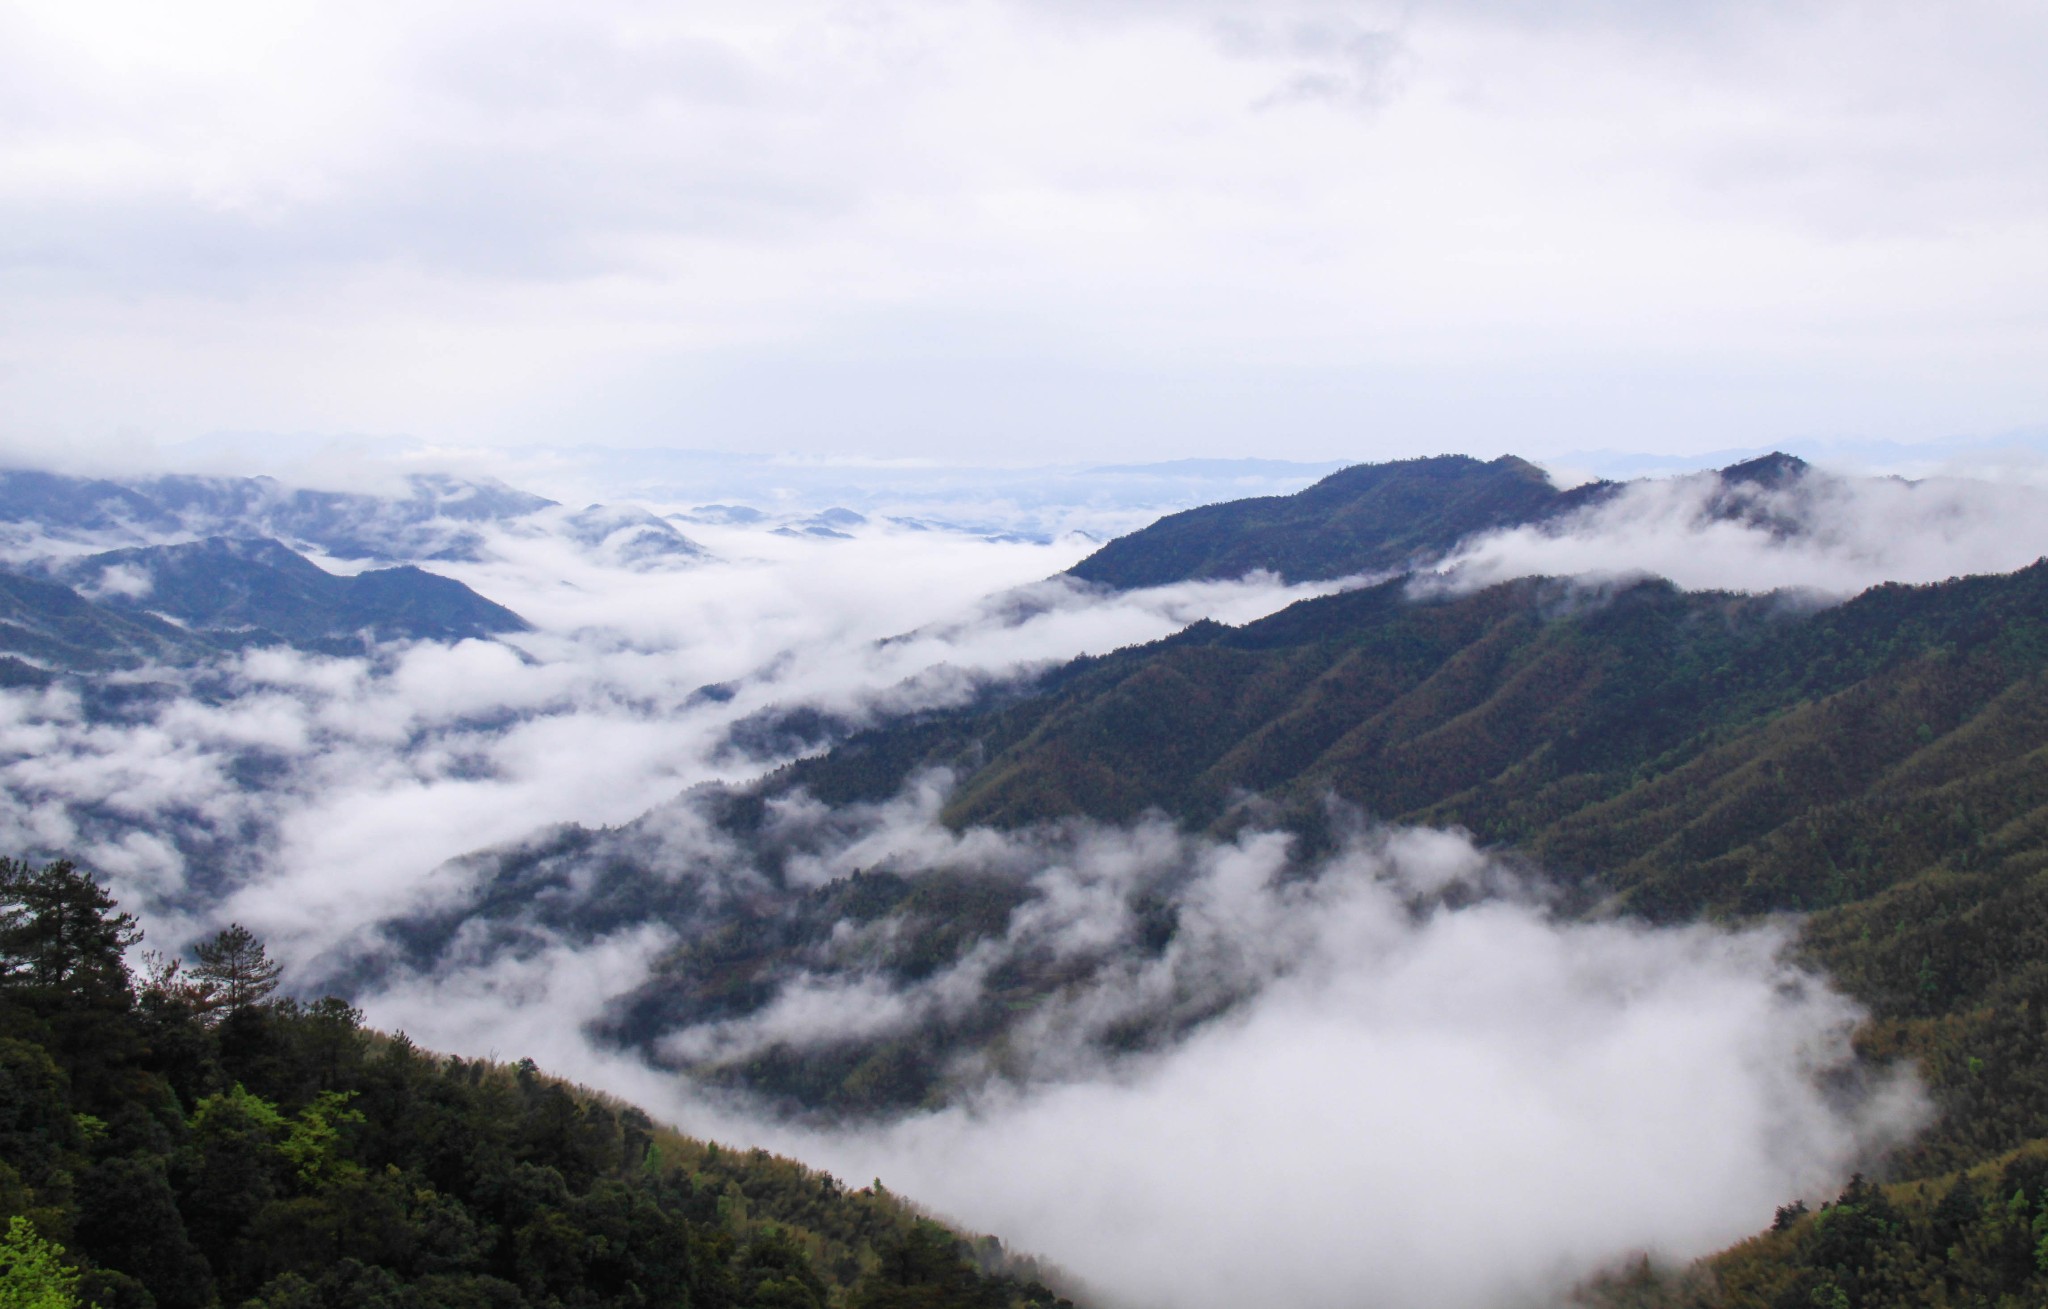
(1413, 1100)
(1423, 1083)
(1822, 533)
(310, 796)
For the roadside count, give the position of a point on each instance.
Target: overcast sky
(1025, 230)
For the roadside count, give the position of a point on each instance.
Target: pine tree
(60, 929)
(235, 968)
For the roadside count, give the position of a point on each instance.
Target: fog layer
(1392, 1076)
(1835, 535)
(308, 795)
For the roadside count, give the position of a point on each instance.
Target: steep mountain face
(1687, 751)
(1371, 518)
(239, 592)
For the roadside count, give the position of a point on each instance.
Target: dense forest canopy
(189, 1139)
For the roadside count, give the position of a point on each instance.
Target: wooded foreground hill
(192, 1141)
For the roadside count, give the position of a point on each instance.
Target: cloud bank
(309, 795)
(1388, 1076)
(1824, 533)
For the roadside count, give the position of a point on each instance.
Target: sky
(1024, 231)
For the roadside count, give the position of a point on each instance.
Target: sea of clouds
(1411, 1096)
(306, 795)
(1424, 1085)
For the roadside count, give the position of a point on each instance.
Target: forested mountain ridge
(45, 626)
(193, 1141)
(1877, 764)
(1665, 744)
(1881, 766)
(1412, 513)
(1367, 518)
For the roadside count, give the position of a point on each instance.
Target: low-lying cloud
(309, 795)
(1391, 1075)
(1823, 533)
(1388, 1075)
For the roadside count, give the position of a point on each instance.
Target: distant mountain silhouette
(632, 537)
(46, 626)
(260, 592)
(1389, 517)
(426, 522)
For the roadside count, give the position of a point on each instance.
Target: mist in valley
(1400, 1064)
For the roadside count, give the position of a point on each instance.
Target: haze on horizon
(1026, 230)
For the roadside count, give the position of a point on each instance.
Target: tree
(33, 1274)
(60, 929)
(235, 968)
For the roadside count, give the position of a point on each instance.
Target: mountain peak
(1772, 470)
(1365, 518)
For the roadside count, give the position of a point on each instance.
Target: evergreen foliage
(233, 969)
(1972, 1240)
(32, 1272)
(186, 1145)
(1879, 766)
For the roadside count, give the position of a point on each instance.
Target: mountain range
(1868, 768)
(1875, 766)
(180, 604)
(1380, 518)
(434, 518)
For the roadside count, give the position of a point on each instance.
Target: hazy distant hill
(632, 538)
(1381, 518)
(238, 592)
(426, 522)
(49, 626)
(221, 595)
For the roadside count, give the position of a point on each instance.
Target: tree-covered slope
(1881, 765)
(193, 1141)
(48, 626)
(1974, 1238)
(1663, 742)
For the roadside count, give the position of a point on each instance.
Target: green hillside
(190, 1140)
(1881, 765)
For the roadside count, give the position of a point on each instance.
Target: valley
(982, 876)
